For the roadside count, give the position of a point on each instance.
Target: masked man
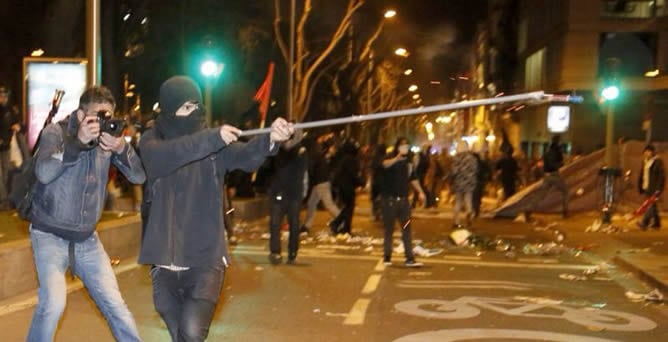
(184, 237)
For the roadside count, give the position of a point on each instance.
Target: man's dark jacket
(185, 226)
(657, 177)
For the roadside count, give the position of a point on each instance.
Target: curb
(641, 273)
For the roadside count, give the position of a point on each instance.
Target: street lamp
(408, 72)
(390, 14)
(610, 93)
(401, 52)
(413, 88)
(210, 69)
(416, 96)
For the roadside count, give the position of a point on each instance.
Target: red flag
(263, 94)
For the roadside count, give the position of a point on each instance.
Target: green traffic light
(210, 68)
(610, 92)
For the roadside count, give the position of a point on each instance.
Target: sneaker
(641, 225)
(304, 230)
(291, 261)
(387, 262)
(413, 263)
(275, 258)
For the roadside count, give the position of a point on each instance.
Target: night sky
(438, 33)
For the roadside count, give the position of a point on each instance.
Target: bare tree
(309, 65)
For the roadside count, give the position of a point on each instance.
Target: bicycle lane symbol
(468, 307)
(452, 335)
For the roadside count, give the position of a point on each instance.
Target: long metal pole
(534, 96)
(207, 102)
(291, 62)
(93, 41)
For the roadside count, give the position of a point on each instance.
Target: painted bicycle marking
(452, 335)
(468, 307)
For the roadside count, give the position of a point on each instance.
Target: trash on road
(538, 300)
(654, 296)
(460, 236)
(115, 261)
(259, 268)
(316, 310)
(549, 248)
(572, 277)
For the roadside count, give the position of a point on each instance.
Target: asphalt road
(340, 292)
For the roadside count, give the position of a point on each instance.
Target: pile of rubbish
(598, 227)
(466, 238)
(654, 296)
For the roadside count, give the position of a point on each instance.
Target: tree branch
(277, 32)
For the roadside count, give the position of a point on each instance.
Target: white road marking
(380, 266)
(358, 312)
(538, 261)
(453, 335)
(76, 285)
(480, 287)
(478, 263)
(461, 257)
(371, 284)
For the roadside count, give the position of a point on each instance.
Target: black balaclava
(173, 94)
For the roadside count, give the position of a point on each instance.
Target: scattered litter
(259, 268)
(590, 271)
(594, 227)
(316, 310)
(599, 305)
(510, 255)
(654, 296)
(335, 314)
(572, 277)
(520, 218)
(426, 252)
(115, 261)
(369, 249)
(460, 236)
(549, 248)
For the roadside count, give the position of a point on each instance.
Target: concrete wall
(121, 239)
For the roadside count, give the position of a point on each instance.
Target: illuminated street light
(653, 73)
(37, 53)
(401, 52)
(407, 72)
(390, 13)
(416, 96)
(412, 88)
(490, 138)
(429, 126)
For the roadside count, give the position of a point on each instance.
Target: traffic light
(210, 68)
(610, 92)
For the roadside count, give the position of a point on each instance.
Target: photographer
(72, 169)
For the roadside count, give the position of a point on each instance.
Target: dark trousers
(651, 216)
(478, 192)
(279, 209)
(508, 188)
(345, 219)
(186, 300)
(397, 209)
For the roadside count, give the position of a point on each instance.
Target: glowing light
(610, 92)
(126, 17)
(407, 72)
(210, 68)
(435, 82)
(429, 126)
(470, 139)
(652, 73)
(37, 53)
(431, 136)
(144, 21)
(390, 13)
(413, 88)
(416, 96)
(490, 138)
(401, 52)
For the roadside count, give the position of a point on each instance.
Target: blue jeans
(93, 267)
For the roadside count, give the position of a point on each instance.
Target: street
(340, 291)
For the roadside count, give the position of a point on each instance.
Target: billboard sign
(41, 78)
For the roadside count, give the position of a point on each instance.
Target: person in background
(651, 181)
(553, 160)
(319, 175)
(288, 187)
(347, 177)
(12, 145)
(463, 179)
(398, 176)
(507, 173)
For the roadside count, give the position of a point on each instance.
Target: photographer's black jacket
(185, 225)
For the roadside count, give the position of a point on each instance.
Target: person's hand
(111, 143)
(281, 130)
(89, 129)
(16, 128)
(229, 134)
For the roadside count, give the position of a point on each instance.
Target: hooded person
(184, 235)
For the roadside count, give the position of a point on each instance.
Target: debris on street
(654, 296)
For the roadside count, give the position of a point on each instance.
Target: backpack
(24, 185)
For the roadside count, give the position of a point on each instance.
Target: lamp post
(609, 171)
